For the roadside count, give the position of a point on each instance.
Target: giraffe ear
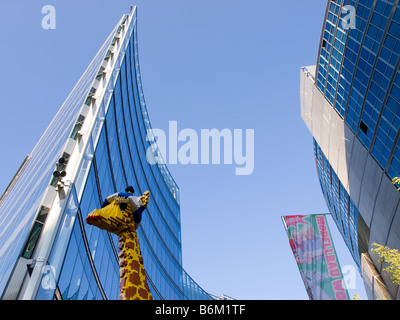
(145, 198)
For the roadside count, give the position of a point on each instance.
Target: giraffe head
(117, 217)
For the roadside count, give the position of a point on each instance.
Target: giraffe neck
(133, 281)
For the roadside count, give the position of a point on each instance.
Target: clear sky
(205, 64)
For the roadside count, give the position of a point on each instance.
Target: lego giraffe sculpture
(118, 218)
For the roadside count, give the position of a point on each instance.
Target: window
(35, 232)
(100, 73)
(77, 127)
(90, 96)
(363, 127)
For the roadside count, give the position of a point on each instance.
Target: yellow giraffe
(118, 218)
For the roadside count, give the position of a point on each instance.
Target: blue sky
(205, 64)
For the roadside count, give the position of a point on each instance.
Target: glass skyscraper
(350, 101)
(95, 146)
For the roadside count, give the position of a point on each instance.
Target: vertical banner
(313, 249)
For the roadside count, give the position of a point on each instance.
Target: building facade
(96, 145)
(350, 102)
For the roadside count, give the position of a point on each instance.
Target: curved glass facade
(358, 72)
(357, 145)
(342, 208)
(19, 205)
(83, 260)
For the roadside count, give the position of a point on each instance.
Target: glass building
(350, 102)
(95, 146)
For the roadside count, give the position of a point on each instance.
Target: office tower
(95, 146)
(350, 103)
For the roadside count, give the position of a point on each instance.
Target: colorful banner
(313, 249)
